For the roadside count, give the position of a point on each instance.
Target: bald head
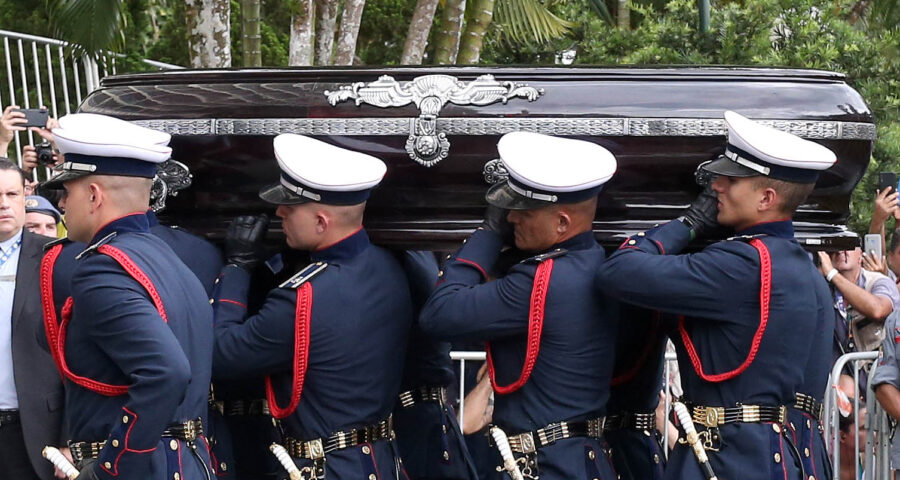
(129, 194)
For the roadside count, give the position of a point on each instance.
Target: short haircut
(9, 165)
(895, 240)
(792, 194)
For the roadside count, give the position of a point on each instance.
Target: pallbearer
(550, 335)
(331, 339)
(751, 325)
(134, 341)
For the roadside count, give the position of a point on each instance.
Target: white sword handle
(60, 462)
(286, 462)
(509, 461)
(684, 417)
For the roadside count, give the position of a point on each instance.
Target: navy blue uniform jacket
(570, 380)
(361, 316)
(717, 291)
(116, 336)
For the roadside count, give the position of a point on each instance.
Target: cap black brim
(56, 181)
(278, 195)
(726, 167)
(501, 195)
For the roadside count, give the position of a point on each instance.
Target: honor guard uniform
(637, 453)
(136, 391)
(747, 309)
(550, 336)
(330, 340)
(428, 435)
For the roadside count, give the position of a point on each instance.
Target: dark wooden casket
(437, 130)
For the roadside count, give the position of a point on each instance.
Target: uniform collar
(349, 247)
(778, 228)
(152, 218)
(582, 241)
(133, 222)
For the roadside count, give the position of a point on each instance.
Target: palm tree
(209, 32)
(104, 31)
(447, 41)
(301, 52)
(250, 38)
(326, 22)
(417, 35)
(349, 31)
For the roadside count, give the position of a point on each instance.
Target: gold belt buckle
(314, 449)
(526, 442)
(709, 416)
(190, 433)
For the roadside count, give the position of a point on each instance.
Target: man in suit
(31, 392)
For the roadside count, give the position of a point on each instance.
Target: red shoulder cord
(765, 296)
(56, 335)
(302, 318)
(642, 359)
(535, 327)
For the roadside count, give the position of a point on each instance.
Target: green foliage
(92, 26)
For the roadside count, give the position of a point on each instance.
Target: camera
(44, 153)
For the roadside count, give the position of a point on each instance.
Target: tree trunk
(301, 50)
(252, 55)
(417, 35)
(447, 43)
(326, 19)
(209, 32)
(857, 11)
(473, 38)
(623, 14)
(349, 31)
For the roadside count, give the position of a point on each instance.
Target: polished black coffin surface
(660, 124)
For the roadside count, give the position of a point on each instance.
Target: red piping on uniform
(125, 445)
(233, 301)
(662, 250)
(477, 266)
(51, 325)
(136, 273)
(303, 316)
(139, 276)
(765, 295)
(642, 359)
(535, 327)
(783, 458)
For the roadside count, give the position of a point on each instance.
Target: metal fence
(41, 72)
(876, 451)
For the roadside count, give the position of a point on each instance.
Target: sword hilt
(285, 460)
(60, 462)
(687, 423)
(509, 461)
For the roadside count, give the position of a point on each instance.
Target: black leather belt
(423, 394)
(187, 431)
(631, 421)
(245, 407)
(529, 442)
(810, 405)
(9, 417)
(318, 448)
(717, 416)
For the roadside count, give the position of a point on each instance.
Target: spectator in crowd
(886, 381)
(863, 300)
(852, 446)
(41, 216)
(884, 208)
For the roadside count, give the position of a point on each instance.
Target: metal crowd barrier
(878, 425)
(40, 69)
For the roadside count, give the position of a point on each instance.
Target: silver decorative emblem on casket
(430, 93)
(171, 177)
(495, 171)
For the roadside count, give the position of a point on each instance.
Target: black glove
(495, 221)
(701, 215)
(243, 241)
(87, 469)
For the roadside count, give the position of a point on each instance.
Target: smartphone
(887, 179)
(34, 117)
(872, 243)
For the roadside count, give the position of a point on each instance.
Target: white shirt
(8, 398)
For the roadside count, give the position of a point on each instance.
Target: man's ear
(564, 221)
(323, 221)
(769, 200)
(96, 196)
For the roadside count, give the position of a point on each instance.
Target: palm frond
(90, 26)
(529, 21)
(599, 6)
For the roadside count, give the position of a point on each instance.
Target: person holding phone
(15, 120)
